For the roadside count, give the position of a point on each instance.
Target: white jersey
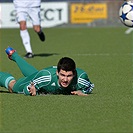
(26, 3)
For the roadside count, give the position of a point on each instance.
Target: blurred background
(64, 13)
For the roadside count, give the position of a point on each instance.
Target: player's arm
(84, 84)
(32, 89)
(42, 79)
(79, 93)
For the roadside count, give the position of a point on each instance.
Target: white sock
(26, 40)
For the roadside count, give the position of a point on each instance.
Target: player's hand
(32, 89)
(79, 93)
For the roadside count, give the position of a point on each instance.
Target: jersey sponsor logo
(53, 84)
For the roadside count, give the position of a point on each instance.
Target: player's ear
(74, 73)
(57, 73)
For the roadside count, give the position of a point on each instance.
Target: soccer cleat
(128, 31)
(29, 55)
(9, 51)
(41, 36)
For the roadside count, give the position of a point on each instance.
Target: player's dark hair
(66, 64)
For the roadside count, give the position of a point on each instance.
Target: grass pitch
(104, 53)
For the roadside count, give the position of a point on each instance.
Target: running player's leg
(21, 19)
(34, 14)
(24, 66)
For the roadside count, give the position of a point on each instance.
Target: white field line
(103, 54)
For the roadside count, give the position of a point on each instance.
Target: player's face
(65, 78)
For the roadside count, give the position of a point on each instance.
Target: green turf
(104, 53)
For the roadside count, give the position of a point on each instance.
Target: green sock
(24, 66)
(5, 78)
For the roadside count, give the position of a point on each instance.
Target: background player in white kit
(31, 8)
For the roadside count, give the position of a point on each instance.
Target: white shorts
(33, 13)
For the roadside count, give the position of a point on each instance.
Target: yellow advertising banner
(85, 13)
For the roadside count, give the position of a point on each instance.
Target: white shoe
(128, 31)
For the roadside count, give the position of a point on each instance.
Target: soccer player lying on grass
(64, 79)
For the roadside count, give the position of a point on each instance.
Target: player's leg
(34, 14)
(21, 19)
(24, 66)
(37, 29)
(23, 85)
(129, 30)
(7, 80)
(26, 39)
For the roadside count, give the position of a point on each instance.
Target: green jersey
(46, 82)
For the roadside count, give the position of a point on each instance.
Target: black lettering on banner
(44, 14)
(59, 11)
(13, 16)
(48, 17)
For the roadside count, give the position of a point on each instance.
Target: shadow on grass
(1, 91)
(45, 54)
(7, 92)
